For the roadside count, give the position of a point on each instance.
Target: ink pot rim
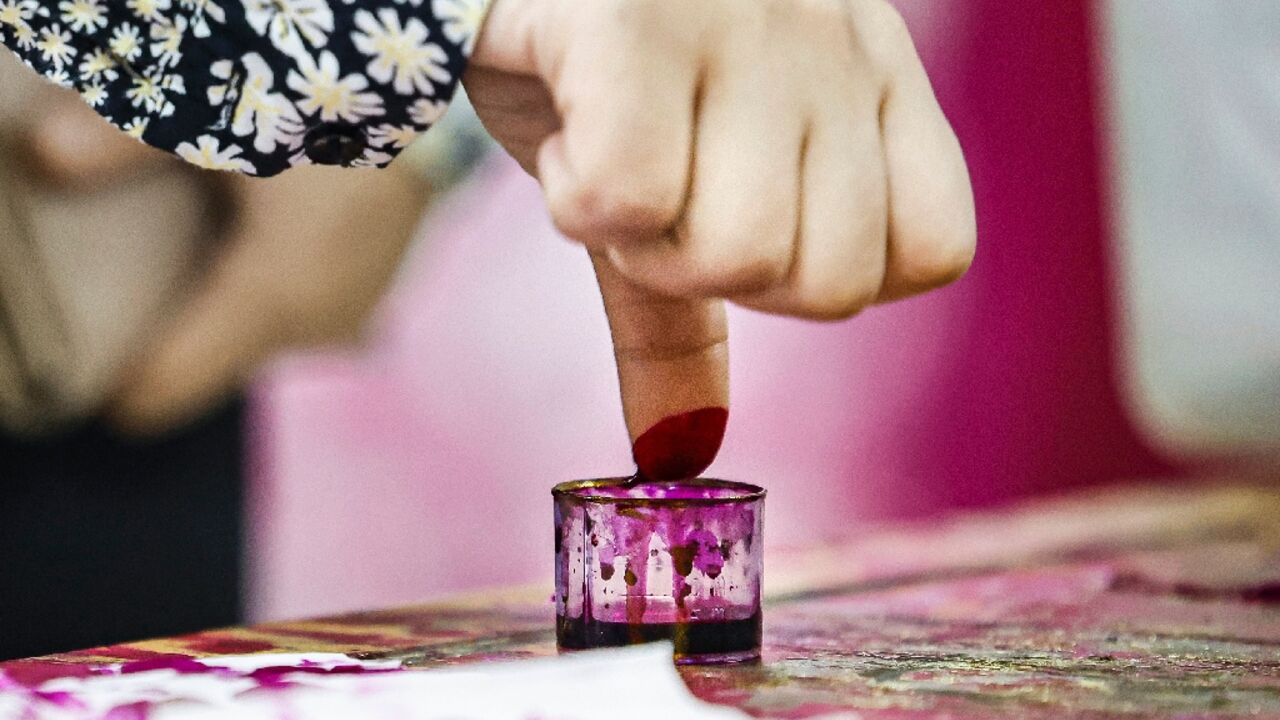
(580, 491)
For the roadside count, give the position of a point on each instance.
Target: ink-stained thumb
(673, 370)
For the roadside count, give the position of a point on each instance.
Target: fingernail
(681, 446)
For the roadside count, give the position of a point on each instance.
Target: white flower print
(461, 20)
(17, 13)
(84, 16)
(125, 42)
(152, 91)
(333, 97)
(203, 11)
(149, 10)
(395, 136)
(166, 45)
(24, 36)
(203, 6)
(60, 77)
(55, 46)
(206, 154)
(267, 115)
(424, 111)
(277, 69)
(98, 65)
(221, 70)
(289, 22)
(136, 127)
(146, 94)
(372, 158)
(399, 52)
(94, 94)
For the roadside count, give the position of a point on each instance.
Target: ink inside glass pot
(639, 561)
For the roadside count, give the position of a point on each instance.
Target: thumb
(673, 369)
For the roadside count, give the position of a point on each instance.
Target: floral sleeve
(255, 86)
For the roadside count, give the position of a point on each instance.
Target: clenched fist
(785, 155)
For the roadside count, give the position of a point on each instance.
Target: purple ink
(639, 561)
(181, 664)
(132, 711)
(703, 642)
(680, 446)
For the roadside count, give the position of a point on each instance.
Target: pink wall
(422, 464)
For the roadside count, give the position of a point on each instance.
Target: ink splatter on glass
(643, 561)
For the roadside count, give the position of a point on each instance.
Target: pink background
(421, 464)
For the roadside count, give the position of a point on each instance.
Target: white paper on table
(619, 684)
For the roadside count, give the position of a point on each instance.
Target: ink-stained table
(1142, 601)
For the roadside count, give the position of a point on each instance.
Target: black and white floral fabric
(254, 86)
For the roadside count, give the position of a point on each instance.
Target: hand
(784, 155)
(311, 254)
(305, 258)
(69, 148)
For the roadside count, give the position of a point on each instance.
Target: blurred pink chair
(422, 465)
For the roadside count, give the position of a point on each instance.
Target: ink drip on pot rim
(644, 560)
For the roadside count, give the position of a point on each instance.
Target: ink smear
(681, 446)
(639, 561)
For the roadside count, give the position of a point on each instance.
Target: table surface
(1142, 601)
